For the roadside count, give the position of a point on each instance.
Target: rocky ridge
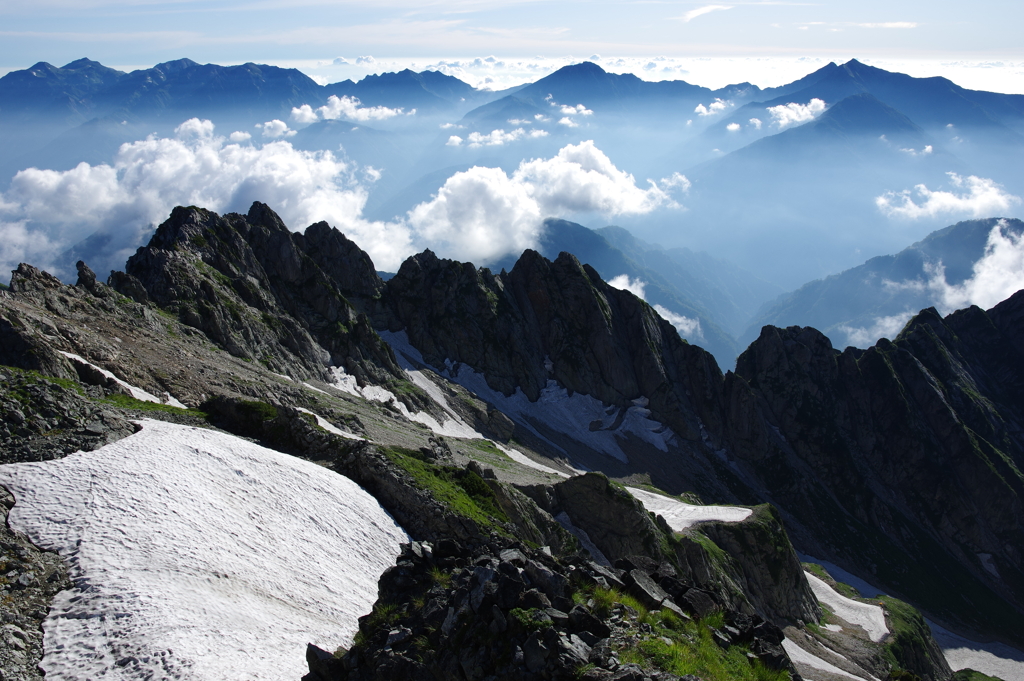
(194, 318)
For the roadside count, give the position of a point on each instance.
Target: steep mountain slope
(732, 295)
(885, 287)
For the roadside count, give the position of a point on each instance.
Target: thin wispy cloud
(701, 11)
(890, 24)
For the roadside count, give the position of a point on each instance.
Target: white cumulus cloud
(756, 122)
(453, 141)
(732, 127)
(715, 107)
(239, 136)
(785, 115)
(978, 197)
(274, 129)
(880, 327)
(351, 109)
(995, 277)
(568, 122)
(624, 283)
(495, 138)
(483, 214)
(479, 215)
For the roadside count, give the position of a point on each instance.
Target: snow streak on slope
(680, 515)
(330, 427)
(801, 657)
(869, 617)
(137, 393)
(198, 555)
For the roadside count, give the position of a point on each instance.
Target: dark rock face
(551, 321)
(905, 455)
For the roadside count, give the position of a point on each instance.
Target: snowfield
(680, 515)
(198, 555)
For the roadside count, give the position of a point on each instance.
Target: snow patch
(315, 389)
(994, 659)
(521, 458)
(137, 393)
(566, 522)
(869, 617)
(988, 564)
(680, 515)
(330, 427)
(198, 555)
(800, 656)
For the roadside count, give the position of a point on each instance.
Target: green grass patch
(532, 619)
(909, 640)
(462, 490)
(971, 675)
(128, 402)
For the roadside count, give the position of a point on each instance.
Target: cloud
(573, 110)
(538, 133)
(982, 197)
(479, 215)
(239, 136)
(785, 115)
(274, 129)
(568, 122)
(688, 328)
(701, 11)
(366, 60)
(756, 122)
(304, 115)
(449, 126)
(890, 24)
(495, 138)
(45, 212)
(717, 106)
(881, 327)
(997, 275)
(483, 214)
(453, 141)
(351, 109)
(732, 127)
(624, 283)
(914, 152)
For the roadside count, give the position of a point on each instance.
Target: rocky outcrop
(505, 611)
(749, 566)
(258, 290)
(29, 579)
(47, 418)
(763, 563)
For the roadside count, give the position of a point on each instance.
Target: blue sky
(310, 34)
